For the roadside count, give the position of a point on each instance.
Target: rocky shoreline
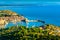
(48, 32)
(7, 16)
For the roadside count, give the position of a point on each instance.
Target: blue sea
(48, 12)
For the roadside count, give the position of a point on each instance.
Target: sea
(48, 12)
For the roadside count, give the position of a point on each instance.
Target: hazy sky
(39, 2)
(29, 0)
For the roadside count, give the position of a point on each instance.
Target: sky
(32, 0)
(29, 0)
(45, 2)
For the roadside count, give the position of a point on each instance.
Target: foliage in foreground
(49, 32)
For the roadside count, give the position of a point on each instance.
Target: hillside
(7, 13)
(7, 16)
(49, 32)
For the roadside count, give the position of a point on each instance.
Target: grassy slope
(36, 33)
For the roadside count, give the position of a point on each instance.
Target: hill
(49, 32)
(4, 13)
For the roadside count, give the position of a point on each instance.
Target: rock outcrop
(7, 16)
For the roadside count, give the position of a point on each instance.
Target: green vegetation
(35, 33)
(4, 15)
(7, 13)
